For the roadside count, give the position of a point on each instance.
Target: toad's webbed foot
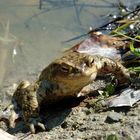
(33, 122)
(13, 117)
(10, 115)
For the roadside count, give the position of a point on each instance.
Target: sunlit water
(40, 33)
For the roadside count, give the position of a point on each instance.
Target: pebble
(113, 117)
(64, 125)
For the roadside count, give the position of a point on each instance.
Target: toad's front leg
(31, 108)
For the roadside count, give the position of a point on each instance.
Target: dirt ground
(79, 121)
(45, 33)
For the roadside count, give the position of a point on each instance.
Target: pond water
(36, 35)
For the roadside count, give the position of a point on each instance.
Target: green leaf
(137, 37)
(132, 47)
(126, 36)
(112, 137)
(109, 90)
(137, 52)
(136, 69)
(124, 26)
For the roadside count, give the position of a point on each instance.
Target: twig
(76, 11)
(24, 136)
(127, 37)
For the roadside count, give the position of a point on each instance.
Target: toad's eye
(66, 68)
(89, 61)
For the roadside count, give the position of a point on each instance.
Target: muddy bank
(80, 122)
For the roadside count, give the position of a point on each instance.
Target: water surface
(40, 32)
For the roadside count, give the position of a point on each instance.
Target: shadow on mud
(55, 114)
(52, 115)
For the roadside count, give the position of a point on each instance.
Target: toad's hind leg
(30, 108)
(25, 102)
(13, 111)
(104, 66)
(107, 65)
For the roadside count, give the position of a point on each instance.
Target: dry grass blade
(126, 36)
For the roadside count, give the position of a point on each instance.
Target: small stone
(87, 111)
(94, 119)
(75, 126)
(64, 125)
(126, 135)
(113, 117)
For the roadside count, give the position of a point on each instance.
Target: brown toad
(68, 76)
